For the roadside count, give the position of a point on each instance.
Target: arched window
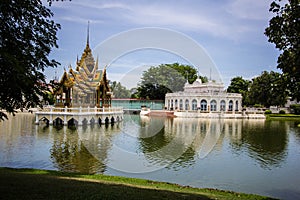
(172, 107)
(230, 106)
(203, 105)
(194, 104)
(223, 105)
(176, 104)
(187, 106)
(236, 105)
(213, 105)
(180, 104)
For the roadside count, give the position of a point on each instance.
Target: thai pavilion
(204, 97)
(86, 86)
(83, 96)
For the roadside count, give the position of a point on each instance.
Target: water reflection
(69, 154)
(241, 155)
(162, 142)
(264, 141)
(72, 147)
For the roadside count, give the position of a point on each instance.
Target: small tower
(103, 92)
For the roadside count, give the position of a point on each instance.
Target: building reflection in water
(164, 142)
(73, 148)
(192, 139)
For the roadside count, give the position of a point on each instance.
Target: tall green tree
(268, 89)
(241, 86)
(283, 31)
(186, 71)
(119, 90)
(158, 80)
(27, 35)
(152, 91)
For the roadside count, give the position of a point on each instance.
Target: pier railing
(80, 109)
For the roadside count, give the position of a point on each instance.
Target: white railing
(80, 109)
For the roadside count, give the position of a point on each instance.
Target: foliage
(240, 85)
(48, 93)
(268, 89)
(257, 105)
(283, 31)
(152, 91)
(119, 91)
(295, 108)
(186, 71)
(268, 112)
(50, 1)
(157, 81)
(26, 38)
(281, 112)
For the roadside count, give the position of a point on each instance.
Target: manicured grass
(285, 116)
(45, 184)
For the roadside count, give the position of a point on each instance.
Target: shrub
(281, 112)
(257, 106)
(295, 108)
(268, 112)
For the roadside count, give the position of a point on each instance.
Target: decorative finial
(96, 64)
(88, 34)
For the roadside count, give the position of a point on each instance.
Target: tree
(157, 81)
(152, 91)
(283, 31)
(186, 71)
(268, 89)
(27, 35)
(119, 91)
(240, 85)
(50, 1)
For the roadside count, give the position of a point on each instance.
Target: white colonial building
(207, 97)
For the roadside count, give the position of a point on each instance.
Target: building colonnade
(203, 103)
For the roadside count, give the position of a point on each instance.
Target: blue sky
(231, 32)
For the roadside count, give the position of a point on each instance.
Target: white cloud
(80, 20)
(225, 20)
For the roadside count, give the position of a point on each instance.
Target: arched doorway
(194, 104)
(230, 105)
(203, 105)
(222, 105)
(187, 106)
(213, 105)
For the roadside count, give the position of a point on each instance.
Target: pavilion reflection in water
(73, 149)
(165, 142)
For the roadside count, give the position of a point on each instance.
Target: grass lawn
(283, 116)
(45, 184)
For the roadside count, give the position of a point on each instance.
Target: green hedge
(295, 108)
(281, 112)
(267, 112)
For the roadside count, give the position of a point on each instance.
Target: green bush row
(295, 108)
(270, 112)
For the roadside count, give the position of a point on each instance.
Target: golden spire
(88, 35)
(87, 47)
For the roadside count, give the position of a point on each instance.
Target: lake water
(252, 156)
